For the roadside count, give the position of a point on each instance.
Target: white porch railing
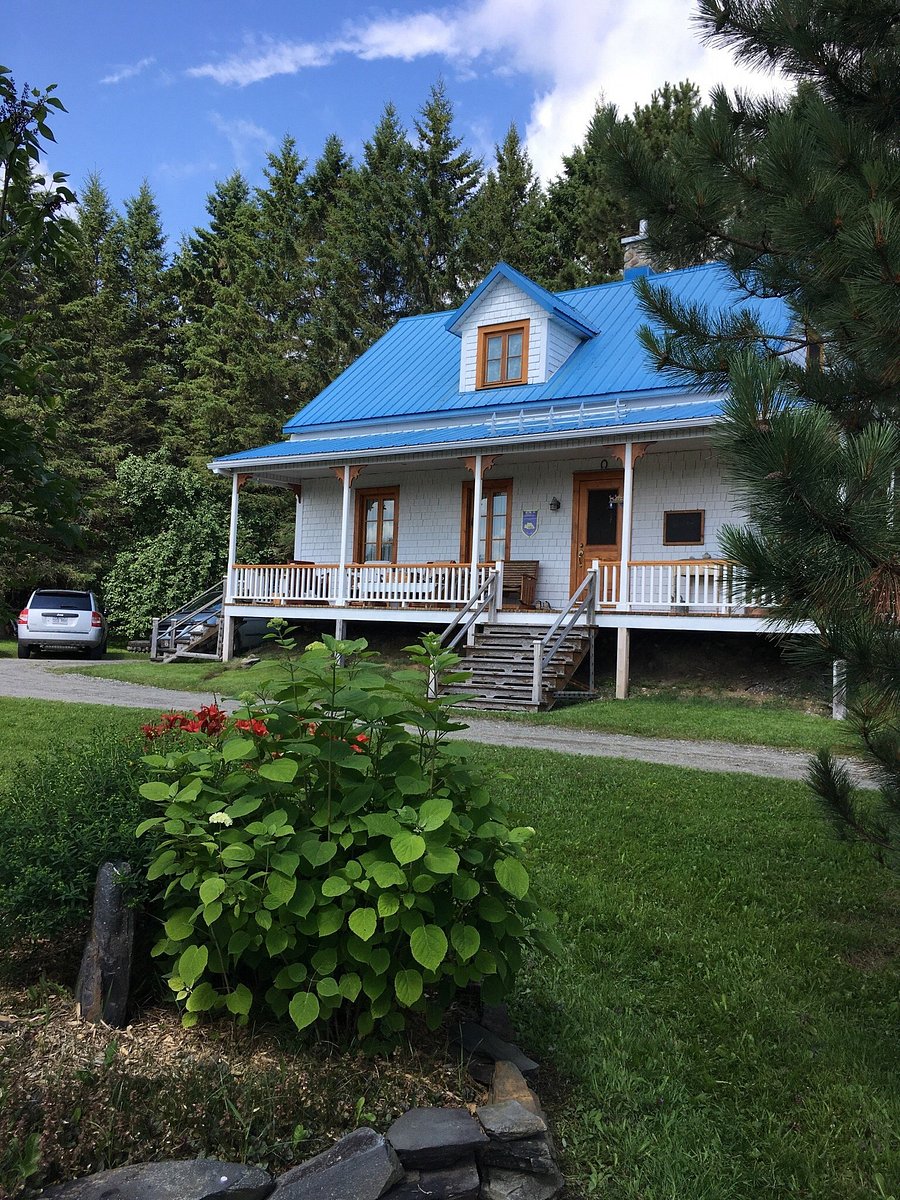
(709, 585)
(444, 585)
(673, 587)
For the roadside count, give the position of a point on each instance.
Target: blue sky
(182, 93)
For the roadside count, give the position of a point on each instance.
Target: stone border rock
(502, 1151)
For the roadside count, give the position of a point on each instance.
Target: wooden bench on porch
(520, 579)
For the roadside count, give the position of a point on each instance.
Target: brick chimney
(637, 257)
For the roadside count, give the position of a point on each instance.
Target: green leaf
(330, 920)
(240, 1000)
(512, 877)
(442, 861)
(155, 791)
(211, 889)
(388, 904)
(327, 987)
(381, 823)
(334, 885)
(304, 1009)
(429, 946)
(325, 960)
(277, 940)
(244, 806)
(434, 813)
(491, 909)
(409, 986)
(180, 925)
(192, 964)
(280, 770)
(202, 998)
(145, 825)
(286, 862)
(388, 874)
(350, 986)
(407, 847)
(363, 922)
(236, 854)
(280, 888)
(465, 887)
(466, 940)
(380, 959)
(521, 834)
(238, 747)
(411, 785)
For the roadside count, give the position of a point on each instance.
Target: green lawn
(724, 1021)
(702, 718)
(28, 727)
(223, 679)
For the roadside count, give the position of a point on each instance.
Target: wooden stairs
(501, 660)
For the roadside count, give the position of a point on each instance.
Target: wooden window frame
(684, 512)
(359, 524)
(504, 329)
(467, 516)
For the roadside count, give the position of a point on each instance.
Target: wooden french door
(596, 521)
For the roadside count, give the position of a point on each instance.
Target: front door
(596, 523)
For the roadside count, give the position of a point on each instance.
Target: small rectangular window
(502, 354)
(683, 528)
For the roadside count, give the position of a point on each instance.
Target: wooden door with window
(495, 521)
(375, 539)
(596, 523)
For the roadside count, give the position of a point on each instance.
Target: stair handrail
(484, 598)
(582, 601)
(167, 628)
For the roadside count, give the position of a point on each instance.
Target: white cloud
(185, 170)
(575, 52)
(245, 137)
(128, 72)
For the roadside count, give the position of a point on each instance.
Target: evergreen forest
(139, 363)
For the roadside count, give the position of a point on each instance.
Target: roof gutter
(223, 467)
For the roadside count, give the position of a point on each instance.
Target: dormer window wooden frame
(502, 359)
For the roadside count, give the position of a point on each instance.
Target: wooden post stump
(101, 992)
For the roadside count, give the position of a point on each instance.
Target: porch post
(839, 689)
(345, 521)
(476, 526)
(627, 506)
(623, 662)
(232, 538)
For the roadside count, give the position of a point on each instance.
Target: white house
(599, 492)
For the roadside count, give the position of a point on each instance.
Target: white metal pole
(476, 527)
(839, 689)
(345, 521)
(627, 497)
(232, 538)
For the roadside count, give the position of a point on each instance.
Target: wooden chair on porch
(520, 580)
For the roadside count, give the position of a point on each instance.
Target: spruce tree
(445, 178)
(589, 210)
(505, 219)
(800, 198)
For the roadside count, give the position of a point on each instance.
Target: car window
(80, 601)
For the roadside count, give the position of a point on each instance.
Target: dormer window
(503, 354)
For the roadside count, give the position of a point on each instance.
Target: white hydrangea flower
(220, 818)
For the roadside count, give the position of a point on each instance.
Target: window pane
(602, 517)
(498, 547)
(388, 509)
(499, 504)
(494, 348)
(492, 371)
(514, 368)
(370, 553)
(514, 345)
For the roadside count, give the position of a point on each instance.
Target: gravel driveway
(43, 680)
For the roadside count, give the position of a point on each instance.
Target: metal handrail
(544, 651)
(201, 601)
(485, 597)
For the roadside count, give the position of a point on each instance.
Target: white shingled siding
(673, 480)
(503, 301)
(430, 507)
(560, 344)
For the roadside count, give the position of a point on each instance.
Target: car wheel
(97, 651)
(24, 650)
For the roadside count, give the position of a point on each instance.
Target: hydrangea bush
(329, 853)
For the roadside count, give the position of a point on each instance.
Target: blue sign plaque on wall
(529, 523)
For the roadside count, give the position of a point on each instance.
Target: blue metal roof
(557, 308)
(413, 370)
(509, 426)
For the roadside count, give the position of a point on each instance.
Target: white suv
(62, 620)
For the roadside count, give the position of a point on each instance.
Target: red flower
(361, 737)
(311, 728)
(252, 726)
(212, 719)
